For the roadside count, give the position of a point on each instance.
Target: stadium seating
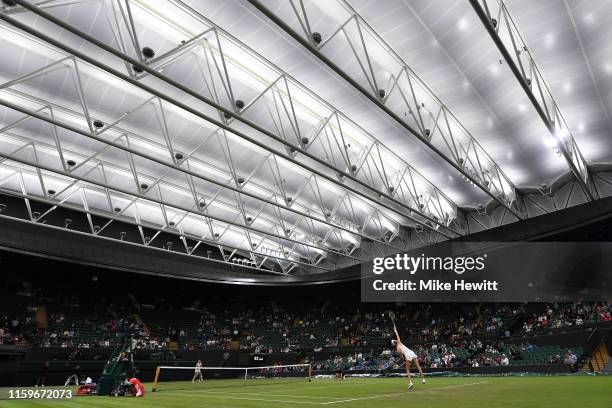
(442, 335)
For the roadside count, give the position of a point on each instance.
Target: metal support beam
(115, 217)
(140, 192)
(429, 222)
(518, 57)
(124, 134)
(397, 98)
(184, 169)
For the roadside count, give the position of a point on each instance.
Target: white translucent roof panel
(560, 34)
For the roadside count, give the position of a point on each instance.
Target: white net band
(236, 368)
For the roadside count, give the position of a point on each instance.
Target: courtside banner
(492, 272)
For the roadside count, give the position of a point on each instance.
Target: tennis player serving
(408, 354)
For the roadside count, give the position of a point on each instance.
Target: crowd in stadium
(572, 314)
(357, 335)
(475, 338)
(16, 327)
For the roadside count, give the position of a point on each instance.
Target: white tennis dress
(408, 354)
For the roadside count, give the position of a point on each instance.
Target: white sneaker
(423, 381)
(410, 385)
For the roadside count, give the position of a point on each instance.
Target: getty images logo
(413, 264)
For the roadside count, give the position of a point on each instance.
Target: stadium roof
(300, 137)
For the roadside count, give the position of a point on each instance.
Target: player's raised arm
(399, 340)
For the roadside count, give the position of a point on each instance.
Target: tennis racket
(392, 317)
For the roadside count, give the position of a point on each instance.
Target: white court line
(255, 399)
(396, 394)
(325, 384)
(262, 394)
(225, 396)
(335, 384)
(278, 394)
(433, 390)
(365, 398)
(306, 387)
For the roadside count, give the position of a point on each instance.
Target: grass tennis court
(557, 392)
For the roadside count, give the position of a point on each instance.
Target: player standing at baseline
(197, 373)
(408, 354)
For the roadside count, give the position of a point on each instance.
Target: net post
(309, 372)
(155, 380)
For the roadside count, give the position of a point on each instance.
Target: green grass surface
(540, 392)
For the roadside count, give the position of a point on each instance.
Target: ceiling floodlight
(550, 141)
(148, 53)
(562, 134)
